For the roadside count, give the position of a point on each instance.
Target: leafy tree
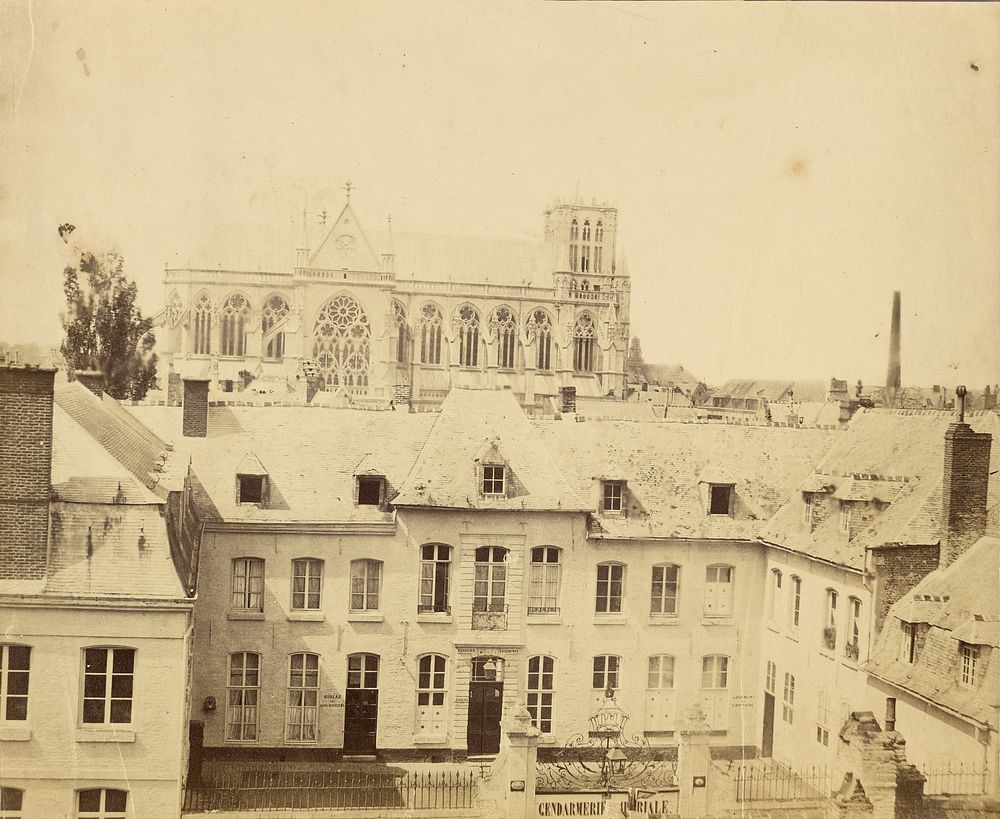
(105, 330)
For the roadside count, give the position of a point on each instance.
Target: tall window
(107, 685)
(661, 672)
(823, 718)
(771, 679)
(303, 698)
(796, 601)
(274, 311)
(599, 249)
(307, 583)
(490, 586)
(718, 591)
(908, 643)
(807, 501)
(435, 566)
(830, 620)
(612, 492)
(574, 230)
(970, 658)
(366, 584)
(493, 480)
(431, 715)
(715, 671)
(430, 334)
(541, 675)
(202, 325)
(402, 332)
(852, 648)
(606, 668)
(663, 594)
(540, 329)
(610, 586)
(15, 666)
(101, 803)
(586, 230)
(584, 344)
(543, 584)
(788, 700)
(775, 595)
(467, 327)
(342, 342)
(362, 671)
(243, 696)
(505, 328)
(599, 232)
(248, 584)
(584, 258)
(11, 800)
(574, 235)
(234, 332)
(845, 518)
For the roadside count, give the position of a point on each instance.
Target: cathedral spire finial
(347, 187)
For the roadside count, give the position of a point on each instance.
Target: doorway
(767, 739)
(485, 705)
(361, 705)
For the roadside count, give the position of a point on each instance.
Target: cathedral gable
(345, 246)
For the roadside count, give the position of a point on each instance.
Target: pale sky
(779, 169)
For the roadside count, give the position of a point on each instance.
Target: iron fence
(333, 790)
(776, 783)
(955, 779)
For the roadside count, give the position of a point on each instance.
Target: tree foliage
(105, 330)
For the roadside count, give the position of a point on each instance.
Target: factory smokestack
(892, 379)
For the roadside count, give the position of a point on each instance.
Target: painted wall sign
(743, 700)
(595, 804)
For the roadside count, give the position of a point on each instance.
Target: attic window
(720, 498)
(613, 492)
(493, 480)
(369, 491)
(251, 488)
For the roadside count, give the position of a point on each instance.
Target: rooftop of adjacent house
(668, 468)
(775, 389)
(895, 457)
(959, 605)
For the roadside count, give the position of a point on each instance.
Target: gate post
(519, 779)
(694, 759)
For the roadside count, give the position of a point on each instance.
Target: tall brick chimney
(966, 479)
(93, 380)
(195, 423)
(25, 469)
(893, 377)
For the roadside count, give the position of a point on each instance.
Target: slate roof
(666, 467)
(470, 423)
(667, 374)
(896, 456)
(310, 454)
(774, 389)
(958, 602)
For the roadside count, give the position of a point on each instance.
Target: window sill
(773, 627)
(430, 739)
(828, 653)
(663, 620)
(720, 620)
(434, 617)
(11, 733)
(793, 636)
(543, 619)
(364, 617)
(610, 620)
(307, 616)
(106, 734)
(245, 615)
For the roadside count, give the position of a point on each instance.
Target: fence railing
(777, 783)
(333, 790)
(955, 779)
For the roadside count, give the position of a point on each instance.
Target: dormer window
(970, 658)
(251, 481)
(370, 490)
(613, 494)
(251, 488)
(720, 499)
(493, 480)
(845, 518)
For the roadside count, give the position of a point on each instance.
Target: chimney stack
(892, 380)
(966, 479)
(93, 380)
(25, 469)
(195, 422)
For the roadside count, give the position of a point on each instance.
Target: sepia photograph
(499, 410)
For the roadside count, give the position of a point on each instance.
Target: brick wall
(897, 570)
(963, 496)
(25, 469)
(195, 424)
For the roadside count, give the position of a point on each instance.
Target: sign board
(517, 785)
(698, 782)
(743, 700)
(599, 804)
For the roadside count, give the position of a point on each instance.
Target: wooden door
(767, 739)
(361, 704)
(485, 711)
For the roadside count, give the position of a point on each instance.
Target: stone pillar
(694, 760)
(521, 765)
(529, 384)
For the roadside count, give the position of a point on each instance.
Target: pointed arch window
(234, 331)
(586, 230)
(402, 332)
(540, 329)
(175, 310)
(342, 343)
(584, 344)
(506, 334)
(574, 230)
(203, 325)
(275, 311)
(430, 334)
(599, 232)
(467, 325)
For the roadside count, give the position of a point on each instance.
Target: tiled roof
(444, 474)
(896, 456)
(103, 419)
(105, 550)
(310, 454)
(958, 602)
(665, 466)
(774, 389)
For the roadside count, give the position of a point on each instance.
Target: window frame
(314, 571)
(665, 584)
(248, 594)
(730, 494)
(852, 641)
(609, 676)
(368, 577)
(243, 689)
(376, 481)
(969, 655)
(544, 575)
(610, 599)
(823, 717)
(771, 677)
(253, 499)
(110, 676)
(788, 699)
(8, 699)
(493, 486)
(495, 574)
(714, 589)
(439, 577)
(8, 795)
(304, 707)
(830, 614)
(844, 522)
(715, 672)
(795, 603)
(661, 672)
(535, 695)
(612, 497)
(102, 811)
(774, 588)
(908, 644)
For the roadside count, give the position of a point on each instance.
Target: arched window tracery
(599, 232)
(430, 334)
(574, 230)
(505, 328)
(586, 230)
(584, 343)
(341, 342)
(202, 325)
(467, 325)
(275, 310)
(539, 327)
(234, 332)
(402, 332)
(175, 310)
